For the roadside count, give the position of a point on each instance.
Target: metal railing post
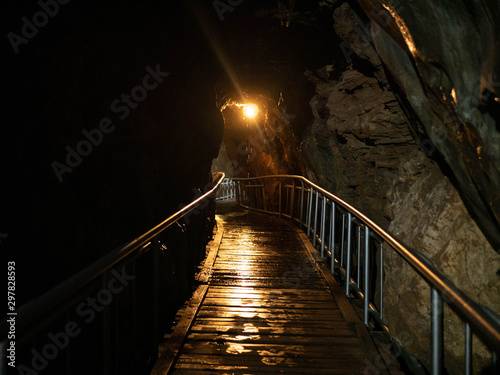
(292, 201)
(260, 195)
(286, 194)
(279, 197)
(155, 247)
(342, 243)
(358, 252)
(323, 224)
(495, 362)
(468, 349)
(366, 291)
(315, 231)
(309, 211)
(253, 197)
(381, 273)
(301, 221)
(332, 238)
(348, 255)
(264, 196)
(108, 348)
(436, 333)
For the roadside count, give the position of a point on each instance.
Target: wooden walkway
(265, 308)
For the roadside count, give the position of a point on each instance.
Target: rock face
(357, 139)
(448, 69)
(430, 216)
(397, 131)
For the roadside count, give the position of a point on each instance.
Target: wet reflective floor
(267, 310)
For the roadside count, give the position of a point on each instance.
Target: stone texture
(448, 70)
(356, 140)
(430, 216)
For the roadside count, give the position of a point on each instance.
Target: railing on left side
(354, 244)
(107, 319)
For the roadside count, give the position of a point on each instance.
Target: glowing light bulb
(250, 110)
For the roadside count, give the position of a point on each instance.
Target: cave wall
(447, 68)
(406, 133)
(86, 65)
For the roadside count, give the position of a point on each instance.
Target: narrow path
(267, 309)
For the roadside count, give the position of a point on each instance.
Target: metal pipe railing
(34, 319)
(334, 227)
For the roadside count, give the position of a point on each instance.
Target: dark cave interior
(115, 113)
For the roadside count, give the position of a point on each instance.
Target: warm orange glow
(454, 95)
(404, 30)
(250, 110)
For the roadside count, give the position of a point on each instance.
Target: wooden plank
(270, 369)
(249, 328)
(263, 300)
(214, 247)
(263, 360)
(271, 316)
(214, 289)
(272, 310)
(264, 303)
(323, 324)
(332, 349)
(372, 353)
(350, 339)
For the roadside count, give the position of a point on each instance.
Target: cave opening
(261, 143)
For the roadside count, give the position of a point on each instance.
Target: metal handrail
(482, 323)
(39, 307)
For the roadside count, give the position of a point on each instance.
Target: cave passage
(118, 115)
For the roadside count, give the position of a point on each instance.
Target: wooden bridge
(266, 306)
(265, 300)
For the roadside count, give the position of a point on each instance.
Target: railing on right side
(352, 242)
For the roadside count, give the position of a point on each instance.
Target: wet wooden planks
(267, 310)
